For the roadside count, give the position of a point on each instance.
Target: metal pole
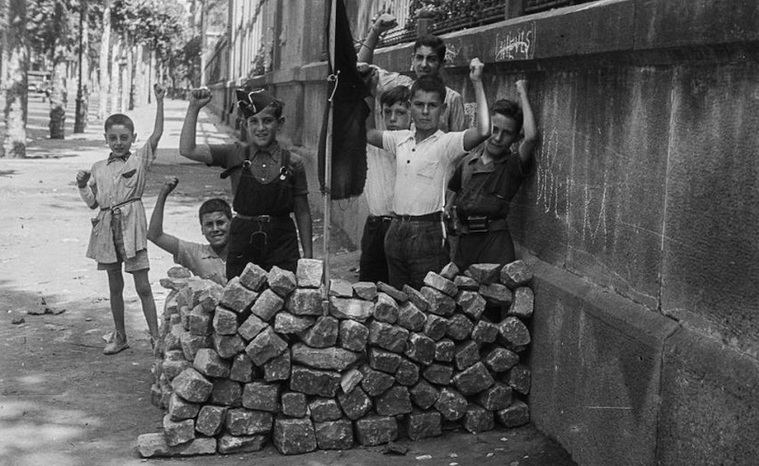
(80, 114)
(328, 154)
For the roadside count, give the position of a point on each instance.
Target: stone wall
(265, 359)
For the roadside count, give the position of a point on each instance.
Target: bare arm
(527, 147)
(164, 241)
(160, 92)
(383, 23)
(474, 136)
(303, 220)
(187, 146)
(374, 137)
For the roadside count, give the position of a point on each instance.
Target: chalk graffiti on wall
(470, 109)
(516, 44)
(550, 183)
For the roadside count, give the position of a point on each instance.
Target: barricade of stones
(265, 359)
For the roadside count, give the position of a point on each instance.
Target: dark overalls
(262, 231)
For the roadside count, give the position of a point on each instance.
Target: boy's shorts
(131, 265)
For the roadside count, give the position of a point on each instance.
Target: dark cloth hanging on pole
(349, 116)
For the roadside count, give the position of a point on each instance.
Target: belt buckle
(264, 218)
(477, 223)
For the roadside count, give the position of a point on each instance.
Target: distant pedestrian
(119, 232)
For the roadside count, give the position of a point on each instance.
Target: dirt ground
(62, 402)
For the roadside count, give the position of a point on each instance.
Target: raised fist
(200, 97)
(82, 176)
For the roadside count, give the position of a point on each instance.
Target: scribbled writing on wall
(470, 110)
(552, 186)
(516, 44)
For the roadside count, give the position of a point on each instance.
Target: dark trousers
(373, 263)
(414, 248)
(263, 243)
(492, 247)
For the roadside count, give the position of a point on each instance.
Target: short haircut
(434, 42)
(215, 205)
(429, 83)
(398, 94)
(119, 119)
(510, 109)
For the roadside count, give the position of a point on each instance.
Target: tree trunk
(58, 98)
(115, 90)
(104, 61)
(3, 66)
(14, 88)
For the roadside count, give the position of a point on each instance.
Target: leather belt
(114, 207)
(433, 217)
(263, 218)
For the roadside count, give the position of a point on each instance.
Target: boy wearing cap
(268, 183)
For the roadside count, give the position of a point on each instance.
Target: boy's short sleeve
(186, 254)
(454, 146)
(222, 154)
(300, 182)
(390, 140)
(145, 155)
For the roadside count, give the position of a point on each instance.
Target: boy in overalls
(268, 183)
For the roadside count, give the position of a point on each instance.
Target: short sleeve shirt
(202, 261)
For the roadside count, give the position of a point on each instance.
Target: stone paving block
(192, 386)
(242, 368)
(199, 321)
(267, 305)
(416, 298)
(473, 380)
(484, 332)
(439, 302)
(514, 331)
(323, 334)
(208, 362)
(500, 359)
(350, 379)
(439, 374)
(384, 361)
(394, 401)
(516, 274)
(324, 409)
(284, 322)
(395, 293)
(451, 404)
(192, 343)
(154, 446)
(294, 436)
(156, 395)
(523, 303)
(466, 283)
(314, 381)
(435, 327)
(210, 420)
(459, 327)
(242, 421)
(375, 382)
(230, 444)
(518, 414)
(340, 287)
(496, 398)
(252, 326)
(424, 395)
(261, 396)
(420, 348)
(387, 336)
(281, 281)
(495, 293)
(441, 284)
(278, 368)
(224, 321)
(334, 435)
(385, 309)
(445, 350)
(471, 304)
(227, 346)
(485, 274)
(519, 378)
(410, 317)
(180, 409)
(375, 430)
(337, 359)
(365, 290)
(172, 367)
(450, 271)
(294, 404)
(355, 404)
(478, 419)
(226, 392)
(353, 335)
(407, 373)
(253, 277)
(305, 302)
(178, 432)
(422, 425)
(309, 273)
(355, 309)
(467, 355)
(265, 346)
(172, 340)
(236, 297)
(206, 294)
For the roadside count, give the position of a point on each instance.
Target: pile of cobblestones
(266, 359)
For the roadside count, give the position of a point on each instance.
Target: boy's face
(263, 126)
(396, 116)
(215, 228)
(503, 133)
(426, 108)
(425, 62)
(119, 139)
